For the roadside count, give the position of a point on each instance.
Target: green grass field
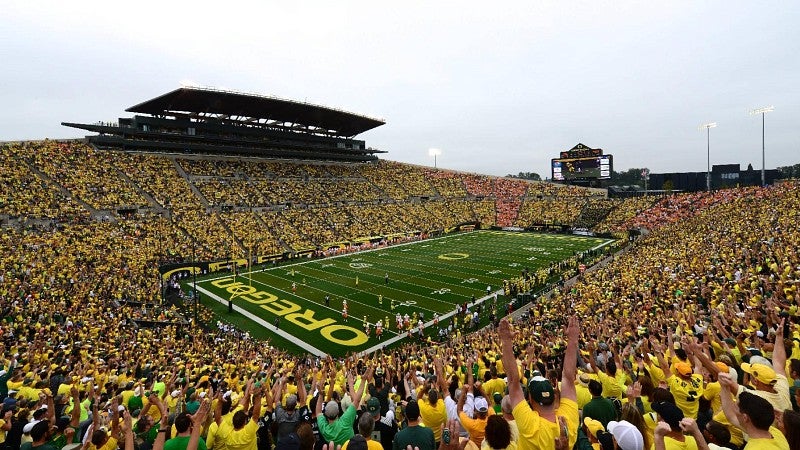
(427, 277)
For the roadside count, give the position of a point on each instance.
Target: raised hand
(562, 441)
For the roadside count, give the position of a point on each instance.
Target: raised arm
(510, 362)
(570, 369)
(360, 392)
(257, 394)
(198, 419)
(700, 356)
(277, 390)
(728, 405)
(779, 352)
(320, 396)
(662, 361)
(301, 388)
(126, 418)
(115, 416)
(248, 391)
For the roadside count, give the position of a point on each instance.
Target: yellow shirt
(779, 399)
(656, 374)
(687, 393)
(671, 444)
(711, 393)
(371, 445)
(243, 439)
(111, 444)
(433, 416)
(583, 395)
(610, 384)
(778, 442)
(494, 385)
(737, 436)
(536, 432)
(212, 442)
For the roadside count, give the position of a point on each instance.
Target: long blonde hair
(631, 413)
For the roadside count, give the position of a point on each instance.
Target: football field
(287, 303)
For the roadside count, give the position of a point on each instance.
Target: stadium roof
(206, 102)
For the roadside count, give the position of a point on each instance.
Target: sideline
(289, 337)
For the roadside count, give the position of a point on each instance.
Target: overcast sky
(499, 87)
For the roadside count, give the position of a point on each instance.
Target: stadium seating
(84, 232)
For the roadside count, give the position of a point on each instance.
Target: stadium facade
(218, 122)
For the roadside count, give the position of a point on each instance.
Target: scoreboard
(582, 168)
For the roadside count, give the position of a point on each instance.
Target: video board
(583, 168)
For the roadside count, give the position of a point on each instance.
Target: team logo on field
(533, 249)
(453, 256)
(359, 265)
(470, 281)
(441, 291)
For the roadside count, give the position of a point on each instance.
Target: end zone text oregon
(328, 328)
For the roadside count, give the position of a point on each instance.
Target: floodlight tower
(708, 127)
(763, 111)
(434, 152)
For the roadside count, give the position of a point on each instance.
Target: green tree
(526, 176)
(628, 177)
(790, 171)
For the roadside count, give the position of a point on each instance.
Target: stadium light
(434, 152)
(708, 127)
(763, 111)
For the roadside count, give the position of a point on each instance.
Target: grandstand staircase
(153, 203)
(272, 232)
(94, 212)
(194, 189)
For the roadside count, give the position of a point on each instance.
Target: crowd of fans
(688, 339)
(199, 195)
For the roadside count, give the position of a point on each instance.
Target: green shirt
(600, 409)
(29, 446)
(341, 430)
(416, 436)
(180, 443)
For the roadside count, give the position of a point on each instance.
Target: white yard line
(289, 337)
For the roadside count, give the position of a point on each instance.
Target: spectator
(536, 428)
(599, 408)
(385, 428)
(340, 429)
(754, 415)
(432, 409)
(414, 434)
(366, 424)
(242, 434)
(183, 425)
(626, 435)
(498, 434)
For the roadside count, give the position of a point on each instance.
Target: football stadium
(224, 270)
(260, 226)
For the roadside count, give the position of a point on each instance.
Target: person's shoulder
(570, 403)
(252, 425)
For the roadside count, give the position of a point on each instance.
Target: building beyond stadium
(216, 122)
